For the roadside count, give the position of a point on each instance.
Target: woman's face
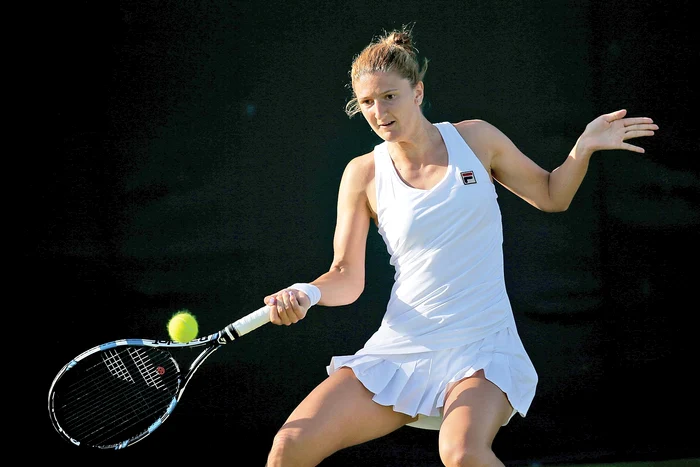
(389, 104)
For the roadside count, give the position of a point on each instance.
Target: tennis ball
(183, 327)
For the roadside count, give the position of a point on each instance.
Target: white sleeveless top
(446, 247)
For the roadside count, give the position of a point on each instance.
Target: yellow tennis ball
(183, 327)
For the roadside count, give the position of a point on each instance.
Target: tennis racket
(115, 394)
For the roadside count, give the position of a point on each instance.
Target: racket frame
(212, 342)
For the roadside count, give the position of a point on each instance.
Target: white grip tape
(252, 321)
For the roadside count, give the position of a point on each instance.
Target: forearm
(339, 286)
(565, 180)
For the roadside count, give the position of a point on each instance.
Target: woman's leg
(475, 409)
(337, 414)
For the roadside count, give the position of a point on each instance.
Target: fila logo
(468, 177)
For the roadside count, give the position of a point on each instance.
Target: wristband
(310, 290)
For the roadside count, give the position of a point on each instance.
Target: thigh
(340, 413)
(474, 411)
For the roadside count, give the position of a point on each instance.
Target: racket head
(115, 394)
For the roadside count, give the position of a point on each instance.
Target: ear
(418, 93)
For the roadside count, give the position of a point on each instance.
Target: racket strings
(116, 394)
(109, 406)
(114, 401)
(116, 366)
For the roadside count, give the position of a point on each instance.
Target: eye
(366, 102)
(390, 97)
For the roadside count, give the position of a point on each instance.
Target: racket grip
(251, 321)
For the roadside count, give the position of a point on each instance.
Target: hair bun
(402, 38)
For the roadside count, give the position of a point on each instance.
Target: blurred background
(192, 160)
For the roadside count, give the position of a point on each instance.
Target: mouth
(386, 125)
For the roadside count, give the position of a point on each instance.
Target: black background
(193, 154)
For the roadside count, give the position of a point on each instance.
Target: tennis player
(447, 354)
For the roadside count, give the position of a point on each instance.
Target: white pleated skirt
(416, 384)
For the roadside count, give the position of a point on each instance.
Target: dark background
(193, 154)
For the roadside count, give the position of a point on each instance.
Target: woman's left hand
(611, 131)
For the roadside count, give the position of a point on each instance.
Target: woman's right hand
(288, 306)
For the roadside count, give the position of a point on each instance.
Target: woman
(447, 354)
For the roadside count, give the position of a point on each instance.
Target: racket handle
(251, 321)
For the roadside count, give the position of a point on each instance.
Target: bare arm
(553, 192)
(345, 279)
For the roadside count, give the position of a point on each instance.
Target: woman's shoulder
(482, 137)
(361, 168)
(474, 126)
(481, 133)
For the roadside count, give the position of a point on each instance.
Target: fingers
(631, 147)
(639, 132)
(639, 123)
(644, 121)
(617, 115)
(285, 308)
(638, 128)
(611, 131)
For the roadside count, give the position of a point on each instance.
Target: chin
(385, 136)
(390, 135)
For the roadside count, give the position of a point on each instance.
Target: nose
(378, 109)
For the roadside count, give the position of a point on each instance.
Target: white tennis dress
(448, 314)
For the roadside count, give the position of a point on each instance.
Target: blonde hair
(391, 52)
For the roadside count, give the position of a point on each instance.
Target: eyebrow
(382, 93)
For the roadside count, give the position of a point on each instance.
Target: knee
(463, 455)
(290, 448)
(285, 445)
